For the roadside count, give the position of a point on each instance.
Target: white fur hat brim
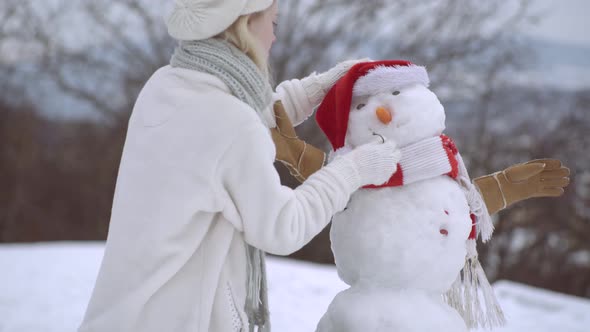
(202, 19)
(387, 79)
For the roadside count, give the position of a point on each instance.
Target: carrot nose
(384, 115)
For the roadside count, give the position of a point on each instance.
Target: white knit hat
(202, 19)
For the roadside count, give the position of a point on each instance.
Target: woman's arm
(278, 219)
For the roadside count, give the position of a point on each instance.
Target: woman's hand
(316, 86)
(536, 178)
(374, 162)
(328, 79)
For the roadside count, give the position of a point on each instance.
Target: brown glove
(536, 178)
(300, 158)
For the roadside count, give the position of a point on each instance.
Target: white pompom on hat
(202, 19)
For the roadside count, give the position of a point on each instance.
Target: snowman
(406, 248)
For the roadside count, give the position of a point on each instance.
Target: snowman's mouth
(381, 136)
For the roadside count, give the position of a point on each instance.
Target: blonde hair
(239, 35)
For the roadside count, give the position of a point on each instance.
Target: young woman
(198, 199)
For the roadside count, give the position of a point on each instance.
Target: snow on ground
(45, 288)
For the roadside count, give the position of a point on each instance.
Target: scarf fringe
(484, 225)
(473, 297)
(257, 297)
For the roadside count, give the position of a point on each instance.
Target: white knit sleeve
(273, 217)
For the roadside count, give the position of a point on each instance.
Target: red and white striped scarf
(434, 157)
(423, 160)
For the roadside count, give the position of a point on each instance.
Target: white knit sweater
(197, 181)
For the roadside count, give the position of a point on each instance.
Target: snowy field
(45, 288)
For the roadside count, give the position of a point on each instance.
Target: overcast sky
(566, 20)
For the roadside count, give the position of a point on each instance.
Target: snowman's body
(390, 248)
(385, 310)
(399, 248)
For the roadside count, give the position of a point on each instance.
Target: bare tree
(105, 60)
(452, 38)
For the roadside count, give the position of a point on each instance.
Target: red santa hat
(363, 79)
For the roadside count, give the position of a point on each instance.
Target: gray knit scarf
(245, 81)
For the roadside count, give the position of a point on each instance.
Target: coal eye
(395, 93)
(359, 106)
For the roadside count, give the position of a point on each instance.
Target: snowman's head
(403, 114)
(389, 98)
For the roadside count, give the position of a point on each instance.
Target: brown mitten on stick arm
(300, 158)
(536, 178)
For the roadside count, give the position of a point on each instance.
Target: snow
(532, 309)
(46, 286)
